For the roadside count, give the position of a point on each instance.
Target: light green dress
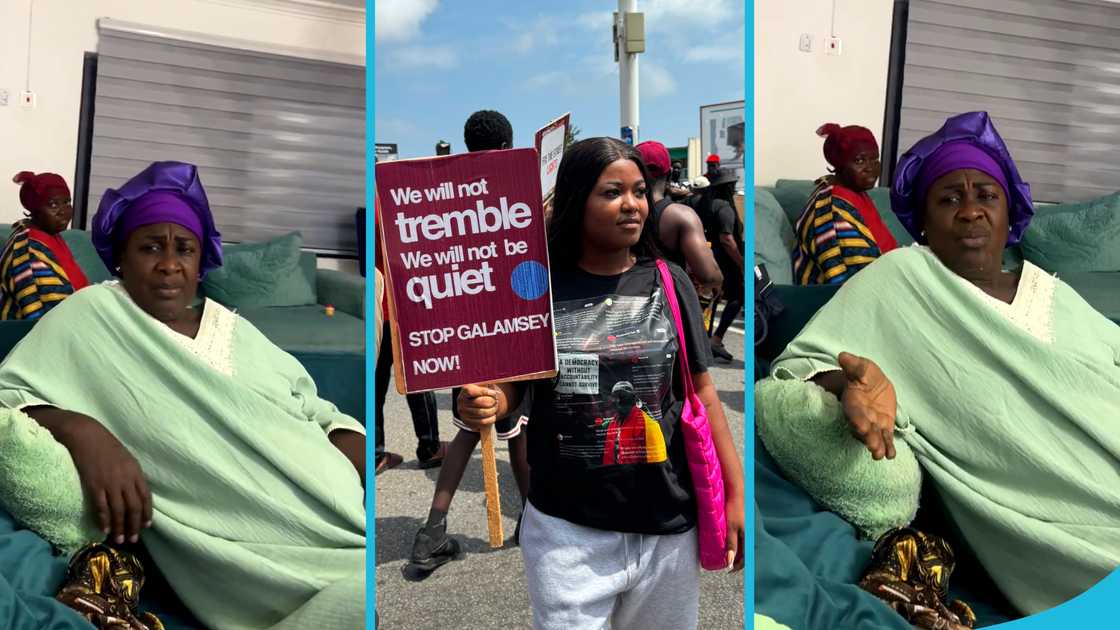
(1013, 411)
(258, 519)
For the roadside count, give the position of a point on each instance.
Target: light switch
(806, 43)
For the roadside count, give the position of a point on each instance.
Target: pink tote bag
(703, 463)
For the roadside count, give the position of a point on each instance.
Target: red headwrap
(842, 143)
(37, 189)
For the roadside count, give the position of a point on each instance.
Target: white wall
(45, 138)
(796, 92)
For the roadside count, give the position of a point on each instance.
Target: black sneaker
(430, 457)
(429, 554)
(721, 353)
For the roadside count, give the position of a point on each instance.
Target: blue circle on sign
(529, 280)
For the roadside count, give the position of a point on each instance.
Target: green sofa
(778, 207)
(331, 348)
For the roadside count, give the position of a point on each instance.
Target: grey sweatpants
(582, 578)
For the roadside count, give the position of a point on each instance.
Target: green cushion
(804, 429)
(86, 256)
(1078, 237)
(344, 291)
(773, 237)
(882, 198)
(1100, 290)
(309, 265)
(272, 273)
(308, 328)
(39, 483)
(792, 194)
(80, 246)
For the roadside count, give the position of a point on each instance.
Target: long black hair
(580, 168)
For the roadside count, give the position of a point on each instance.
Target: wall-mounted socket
(3, 98)
(832, 45)
(27, 98)
(805, 44)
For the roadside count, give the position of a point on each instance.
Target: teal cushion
(308, 329)
(1100, 290)
(81, 247)
(86, 256)
(792, 194)
(272, 273)
(1076, 237)
(39, 483)
(773, 237)
(882, 198)
(804, 429)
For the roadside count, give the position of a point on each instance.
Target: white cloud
(400, 20)
(714, 53)
(654, 80)
(391, 128)
(670, 14)
(600, 21)
(542, 32)
(729, 47)
(410, 57)
(548, 79)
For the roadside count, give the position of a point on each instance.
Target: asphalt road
(487, 588)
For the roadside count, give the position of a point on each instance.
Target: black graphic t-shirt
(604, 449)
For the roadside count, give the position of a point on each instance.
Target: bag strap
(671, 295)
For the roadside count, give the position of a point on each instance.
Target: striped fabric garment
(833, 239)
(32, 280)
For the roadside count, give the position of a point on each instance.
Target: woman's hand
(353, 445)
(479, 405)
(112, 479)
(869, 404)
(734, 506)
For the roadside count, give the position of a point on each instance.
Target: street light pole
(629, 40)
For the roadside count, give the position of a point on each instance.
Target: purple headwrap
(964, 141)
(165, 192)
(955, 156)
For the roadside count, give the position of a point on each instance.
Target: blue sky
(437, 62)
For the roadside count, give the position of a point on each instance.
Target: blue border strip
(748, 329)
(1092, 609)
(371, 334)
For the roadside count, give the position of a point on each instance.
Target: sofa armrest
(799, 305)
(345, 291)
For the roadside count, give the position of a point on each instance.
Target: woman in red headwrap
(37, 269)
(840, 230)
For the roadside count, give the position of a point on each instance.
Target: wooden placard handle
(490, 479)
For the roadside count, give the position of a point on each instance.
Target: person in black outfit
(679, 231)
(724, 230)
(430, 450)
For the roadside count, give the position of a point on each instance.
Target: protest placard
(466, 269)
(550, 148)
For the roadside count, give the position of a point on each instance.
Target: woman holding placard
(616, 538)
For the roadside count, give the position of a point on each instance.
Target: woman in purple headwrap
(190, 431)
(1003, 384)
